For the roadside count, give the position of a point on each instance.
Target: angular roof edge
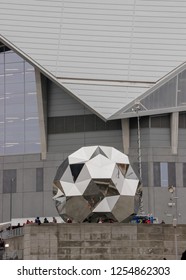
(45, 72)
(121, 114)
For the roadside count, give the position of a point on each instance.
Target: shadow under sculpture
(96, 182)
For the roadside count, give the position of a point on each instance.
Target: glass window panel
(30, 108)
(133, 123)
(170, 97)
(31, 130)
(90, 123)
(1, 68)
(1, 121)
(113, 125)
(30, 103)
(32, 148)
(172, 173)
(156, 170)
(14, 132)
(1, 79)
(30, 87)
(163, 97)
(182, 120)
(160, 121)
(2, 90)
(51, 126)
(1, 132)
(31, 96)
(164, 174)
(155, 122)
(33, 115)
(14, 149)
(14, 78)
(1, 48)
(13, 121)
(1, 149)
(16, 99)
(21, 109)
(165, 121)
(2, 108)
(59, 124)
(144, 122)
(182, 88)
(14, 88)
(30, 77)
(14, 67)
(100, 124)
(69, 123)
(79, 124)
(14, 111)
(29, 67)
(9, 181)
(1, 58)
(12, 57)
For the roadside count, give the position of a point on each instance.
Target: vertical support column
(139, 147)
(125, 135)
(151, 188)
(174, 132)
(41, 114)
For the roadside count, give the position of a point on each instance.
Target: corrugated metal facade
(105, 99)
(131, 40)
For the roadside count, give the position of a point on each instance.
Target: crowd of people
(38, 221)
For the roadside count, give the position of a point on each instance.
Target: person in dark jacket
(37, 221)
(46, 221)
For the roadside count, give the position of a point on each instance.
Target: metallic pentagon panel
(96, 183)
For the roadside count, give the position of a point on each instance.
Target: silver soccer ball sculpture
(96, 182)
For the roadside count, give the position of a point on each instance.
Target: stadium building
(79, 73)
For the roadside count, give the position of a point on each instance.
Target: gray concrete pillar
(174, 132)
(125, 135)
(41, 114)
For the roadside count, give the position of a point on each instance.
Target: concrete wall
(100, 241)
(15, 250)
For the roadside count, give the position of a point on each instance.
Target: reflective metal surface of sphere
(96, 184)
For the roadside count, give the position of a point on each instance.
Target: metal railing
(12, 233)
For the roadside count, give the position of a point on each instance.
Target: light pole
(172, 204)
(136, 109)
